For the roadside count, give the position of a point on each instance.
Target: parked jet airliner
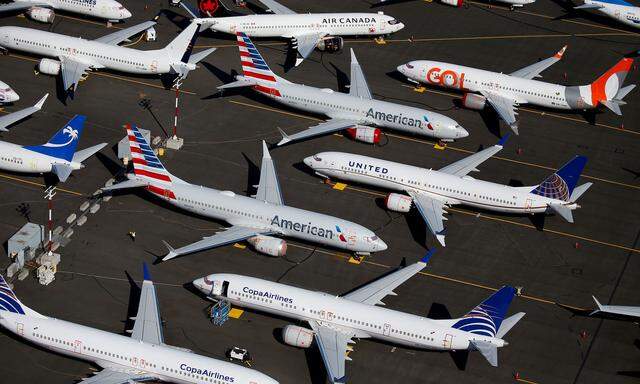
(7, 95)
(143, 357)
(307, 31)
(13, 117)
(335, 321)
(58, 155)
(619, 10)
(76, 56)
(43, 10)
(357, 112)
(505, 92)
(255, 220)
(433, 191)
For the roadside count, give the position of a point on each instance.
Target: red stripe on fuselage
(161, 191)
(267, 90)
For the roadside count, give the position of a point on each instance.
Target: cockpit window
(374, 238)
(393, 21)
(316, 158)
(409, 66)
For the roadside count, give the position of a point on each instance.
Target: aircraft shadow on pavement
(132, 307)
(253, 175)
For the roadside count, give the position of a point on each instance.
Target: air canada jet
(433, 191)
(306, 31)
(43, 10)
(142, 357)
(357, 112)
(337, 322)
(58, 155)
(75, 57)
(505, 92)
(255, 219)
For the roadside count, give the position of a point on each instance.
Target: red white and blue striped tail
(146, 164)
(253, 65)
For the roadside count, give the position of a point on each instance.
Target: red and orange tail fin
(606, 86)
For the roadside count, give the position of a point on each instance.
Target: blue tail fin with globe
(560, 185)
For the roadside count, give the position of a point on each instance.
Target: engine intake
(330, 44)
(49, 67)
(366, 134)
(297, 336)
(398, 203)
(268, 245)
(43, 15)
(473, 101)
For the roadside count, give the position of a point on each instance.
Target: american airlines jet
(74, 56)
(356, 112)
(619, 10)
(7, 95)
(43, 10)
(57, 156)
(335, 322)
(143, 357)
(256, 220)
(505, 92)
(306, 31)
(433, 191)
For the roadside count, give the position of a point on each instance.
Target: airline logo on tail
(478, 321)
(554, 188)
(146, 164)
(607, 86)
(254, 66)
(8, 300)
(71, 133)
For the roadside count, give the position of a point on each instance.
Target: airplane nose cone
(308, 161)
(125, 14)
(12, 97)
(401, 25)
(461, 132)
(199, 283)
(401, 68)
(381, 245)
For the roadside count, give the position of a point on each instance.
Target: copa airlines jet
(57, 156)
(7, 95)
(357, 112)
(76, 56)
(143, 357)
(14, 117)
(433, 191)
(335, 321)
(255, 220)
(619, 10)
(43, 10)
(505, 92)
(306, 31)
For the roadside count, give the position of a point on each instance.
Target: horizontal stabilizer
(613, 105)
(488, 350)
(240, 83)
(561, 210)
(133, 183)
(197, 57)
(579, 191)
(588, 6)
(86, 153)
(62, 171)
(508, 323)
(624, 91)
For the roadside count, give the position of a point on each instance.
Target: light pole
(48, 195)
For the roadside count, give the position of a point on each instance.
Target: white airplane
(7, 95)
(432, 192)
(459, 3)
(140, 358)
(620, 10)
(356, 112)
(43, 10)
(76, 56)
(57, 156)
(306, 31)
(505, 92)
(13, 117)
(335, 321)
(255, 220)
(621, 312)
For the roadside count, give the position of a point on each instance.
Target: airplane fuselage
(7, 95)
(620, 11)
(104, 9)
(439, 185)
(15, 158)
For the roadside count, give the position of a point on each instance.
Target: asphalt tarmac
(555, 262)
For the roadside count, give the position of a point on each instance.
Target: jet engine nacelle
(268, 245)
(297, 336)
(330, 44)
(49, 67)
(473, 101)
(43, 15)
(454, 3)
(362, 133)
(398, 203)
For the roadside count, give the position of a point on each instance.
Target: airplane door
(77, 346)
(448, 341)
(527, 205)
(20, 329)
(386, 329)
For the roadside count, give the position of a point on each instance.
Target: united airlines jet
(143, 357)
(254, 219)
(433, 191)
(336, 322)
(43, 10)
(356, 112)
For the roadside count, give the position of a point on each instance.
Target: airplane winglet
(504, 139)
(40, 102)
(265, 150)
(425, 259)
(285, 138)
(560, 52)
(172, 253)
(440, 238)
(597, 303)
(145, 272)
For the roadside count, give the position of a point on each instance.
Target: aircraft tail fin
(9, 302)
(253, 64)
(63, 144)
(560, 184)
(607, 89)
(486, 318)
(146, 165)
(181, 47)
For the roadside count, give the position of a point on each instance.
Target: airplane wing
(533, 70)
(277, 8)
(329, 126)
(432, 212)
(589, 6)
(148, 325)
(359, 86)
(505, 107)
(374, 292)
(333, 344)
(112, 376)
(230, 235)
(20, 5)
(306, 43)
(72, 71)
(621, 311)
(118, 37)
(463, 167)
(269, 187)
(13, 117)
